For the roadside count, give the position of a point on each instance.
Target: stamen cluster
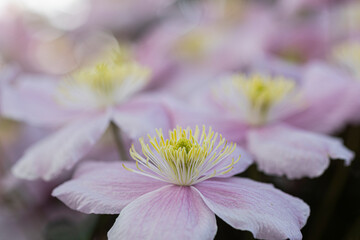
(255, 95)
(348, 55)
(185, 158)
(109, 82)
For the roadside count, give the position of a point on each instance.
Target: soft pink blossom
(81, 114)
(198, 36)
(156, 204)
(280, 137)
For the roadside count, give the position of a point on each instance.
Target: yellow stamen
(186, 157)
(109, 82)
(195, 44)
(348, 55)
(255, 94)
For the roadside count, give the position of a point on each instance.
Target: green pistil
(183, 143)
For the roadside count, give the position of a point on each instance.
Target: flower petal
(141, 116)
(104, 188)
(32, 99)
(282, 150)
(256, 207)
(172, 212)
(197, 114)
(62, 150)
(330, 97)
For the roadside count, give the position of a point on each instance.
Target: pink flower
(270, 116)
(346, 55)
(177, 186)
(21, 44)
(82, 106)
(205, 32)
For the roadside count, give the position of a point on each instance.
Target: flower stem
(118, 141)
(329, 202)
(336, 187)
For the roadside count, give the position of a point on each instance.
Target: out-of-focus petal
(330, 100)
(295, 153)
(192, 114)
(256, 207)
(62, 150)
(142, 116)
(31, 99)
(172, 212)
(104, 188)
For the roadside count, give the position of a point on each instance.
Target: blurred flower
(83, 104)
(269, 116)
(300, 41)
(26, 40)
(228, 33)
(176, 186)
(347, 56)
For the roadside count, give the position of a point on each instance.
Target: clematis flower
(177, 186)
(82, 106)
(269, 116)
(347, 56)
(205, 32)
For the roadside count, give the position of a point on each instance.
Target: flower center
(196, 44)
(109, 82)
(348, 56)
(185, 158)
(183, 143)
(254, 96)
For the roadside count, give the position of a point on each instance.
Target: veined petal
(171, 212)
(104, 188)
(256, 207)
(295, 153)
(62, 150)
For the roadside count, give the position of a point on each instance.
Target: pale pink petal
(171, 212)
(32, 99)
(295, 153)
(256, 207)
(330, 101)
(191, 115)
(61, 151)
(104, 188)
(141, 116)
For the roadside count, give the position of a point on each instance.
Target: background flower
(187, 45)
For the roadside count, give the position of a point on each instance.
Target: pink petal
(32, 100)
(141, 116)
(295, 153)
(191, 114)
(62, 150)
(256, 207)
(171, 212)
(329, 97)
(104, 188)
